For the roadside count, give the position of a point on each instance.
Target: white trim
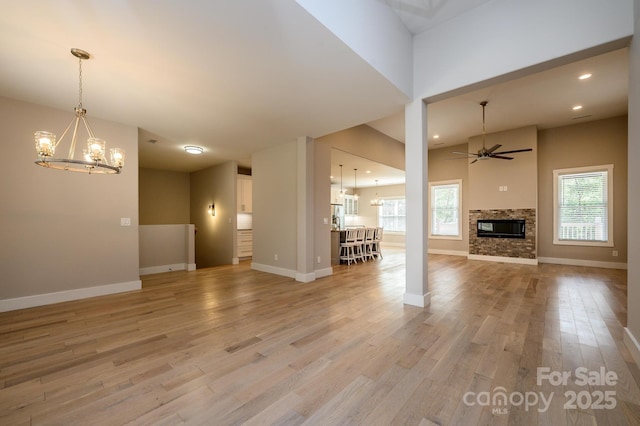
(576, 170)
(273, 270)
(582, 262)
(417, 300)
(632, 345)
(503, 259)
(164, 268)
(235, 261)
(191, 267)
(458, 236)
(325, 272)
(67, 295)
(449, 252)
(305, 278)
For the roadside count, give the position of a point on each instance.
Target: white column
(305, 198)
(416, 157)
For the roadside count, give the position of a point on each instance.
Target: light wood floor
(229, 345)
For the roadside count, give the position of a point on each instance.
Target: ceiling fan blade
(464, 153)
(473, 161)
(493, 148)
(515, 150)
(501, 157)
(459, 158)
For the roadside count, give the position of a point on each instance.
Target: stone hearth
(503, 247)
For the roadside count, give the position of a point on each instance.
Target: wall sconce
(212, 209)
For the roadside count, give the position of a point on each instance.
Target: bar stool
(376, 250)
(368, 243)
(348, 247)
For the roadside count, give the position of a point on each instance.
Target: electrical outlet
(275, 257)
(125, 221)
(319, 259)
(614, 253)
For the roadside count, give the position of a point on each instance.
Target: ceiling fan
(484, 153)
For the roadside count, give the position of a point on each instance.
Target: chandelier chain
(80, 83)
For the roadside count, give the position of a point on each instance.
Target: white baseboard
(273, 270)
(305, 278)
(166, 268)
(191, 267)
(67, 295)
(581, 262)
(449, 252)
(503, 259)
(324, 272)
(417, 300)
(235, 261)
(632, 344)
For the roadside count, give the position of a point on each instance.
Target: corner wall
(163, 197)
(587, 144)
(632, 332)
(215, 235)
(60, 231)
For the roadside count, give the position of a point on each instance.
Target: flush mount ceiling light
(93, 156)
(584, 76)
(577, 107)
(195, 150)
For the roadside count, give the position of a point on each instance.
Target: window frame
(557, 173)
(379, 216)
(433, 185)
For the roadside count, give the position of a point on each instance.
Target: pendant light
(377, 202)
(341, 190)
(355, 184)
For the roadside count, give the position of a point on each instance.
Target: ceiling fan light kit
(484, 153)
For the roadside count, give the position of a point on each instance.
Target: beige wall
(442, 168)
(632, 335)
(164, 197)
(275, 206)
(215, 235)
(368, 215)
(588, 144)
(60, 230)
(520, 175)
(367, 142)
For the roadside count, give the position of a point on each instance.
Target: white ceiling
(238, 76)
(544, 99)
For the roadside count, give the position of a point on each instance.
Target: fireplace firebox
(501, 228)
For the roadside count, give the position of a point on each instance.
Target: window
(445, 205)
(583, 206)
(393, 216)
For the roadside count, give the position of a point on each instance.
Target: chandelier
(93, 155)
(377, 202)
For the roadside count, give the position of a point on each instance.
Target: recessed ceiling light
(190, 149)
(436, 136)
(368, 171)
(584, 76)
(577, 107)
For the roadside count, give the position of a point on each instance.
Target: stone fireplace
(524, 248)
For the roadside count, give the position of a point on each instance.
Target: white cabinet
(350, 205)
(244, 243)
(245, 185)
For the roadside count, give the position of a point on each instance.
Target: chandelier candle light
(93, 156)
(377, 202)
